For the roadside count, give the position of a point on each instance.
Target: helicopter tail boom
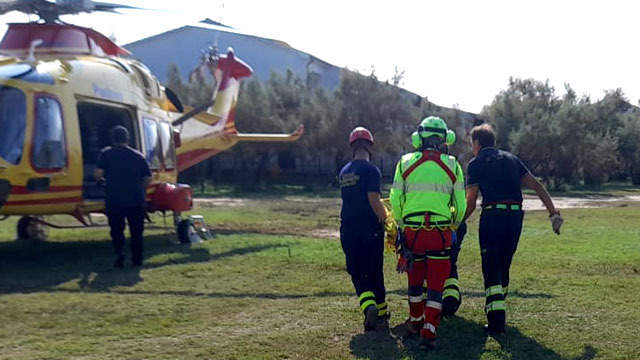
(215, 130)
(294, 136)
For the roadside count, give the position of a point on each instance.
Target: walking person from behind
(428, 201)
(499, 176)
(451, 296)
(127, 175)
(361, 229)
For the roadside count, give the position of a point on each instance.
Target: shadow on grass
(480, 294)
(458, 339)
(512, 294)
(42, 266)
(380, 344)
(104, 284)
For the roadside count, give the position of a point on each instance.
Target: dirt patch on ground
(308, 206)
(533, 203)
(325, 233)
(530, 202)
(222, 201)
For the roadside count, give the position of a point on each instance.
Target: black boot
(370, 318)
(450, 306)
(427, 344)
(494, 331)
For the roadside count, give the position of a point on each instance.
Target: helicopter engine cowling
(172, 197)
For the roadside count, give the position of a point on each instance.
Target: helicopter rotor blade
(25, 6)
(50, 10)
(110, 7)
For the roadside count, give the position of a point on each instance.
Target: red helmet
(360, 133)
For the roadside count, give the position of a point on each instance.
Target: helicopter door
(49, 146)
(96, 121)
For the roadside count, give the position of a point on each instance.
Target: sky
(458, 52)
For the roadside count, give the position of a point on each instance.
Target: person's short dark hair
(484, 134)
(362, 143)
(478, 121)
(119, 135)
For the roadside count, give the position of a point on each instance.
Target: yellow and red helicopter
(62, 87)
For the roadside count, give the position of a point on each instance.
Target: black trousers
(499, 233)
(455, 249)
(451, 297)
(135, 216)
(363, 246)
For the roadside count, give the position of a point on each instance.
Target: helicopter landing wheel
(187, 233)
(29, 228)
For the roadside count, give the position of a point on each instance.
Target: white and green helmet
(432, 126)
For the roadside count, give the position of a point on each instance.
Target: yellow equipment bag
(390, 228)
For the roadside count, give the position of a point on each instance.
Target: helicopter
(63, 87)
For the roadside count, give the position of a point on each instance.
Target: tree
(565, 140)
(629, 146)
(388, 111)
(191, 94)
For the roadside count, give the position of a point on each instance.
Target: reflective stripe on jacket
(428, 188)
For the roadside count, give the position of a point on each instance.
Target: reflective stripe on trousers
(367, 299)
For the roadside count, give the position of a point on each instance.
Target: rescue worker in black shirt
(127, 175)
(499, 176)
(361, 229)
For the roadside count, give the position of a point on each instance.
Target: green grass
(323, 186)
(265, 288)
(327, 189)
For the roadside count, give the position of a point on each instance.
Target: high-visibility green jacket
(421, 186)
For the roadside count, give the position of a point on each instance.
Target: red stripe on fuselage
(22, 190)
(72, 200)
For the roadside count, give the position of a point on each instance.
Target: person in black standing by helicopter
(126, 174)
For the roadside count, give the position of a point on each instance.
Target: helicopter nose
(5, 190)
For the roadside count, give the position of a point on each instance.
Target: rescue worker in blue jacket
(361, 229)
(499, 176)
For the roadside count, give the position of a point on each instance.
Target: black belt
(432, 254)
(512, 207)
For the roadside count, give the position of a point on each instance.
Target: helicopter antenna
(217, 36)
(32, 48)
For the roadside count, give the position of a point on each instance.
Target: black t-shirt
(357, 179)
(124, 170)
(498, 175)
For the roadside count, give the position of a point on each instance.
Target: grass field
(268, 287)
(325, 186)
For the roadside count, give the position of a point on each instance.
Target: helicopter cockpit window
(151, 86)
(168, 149)
(13, 119)
(49, 148)
(152, 143)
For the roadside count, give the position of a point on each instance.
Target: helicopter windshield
(13, 118)
(49, 151)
